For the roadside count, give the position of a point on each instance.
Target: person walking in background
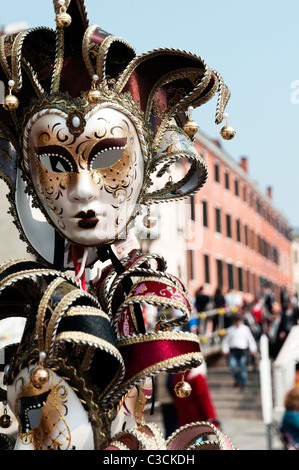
(284, 298)
(290, 419)
(287, 320)
(257, 312)
(218, 302)
(273, 330)
(201, 299)
(268, 301)
(236, 344)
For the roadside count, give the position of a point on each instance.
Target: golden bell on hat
(11, 102)
(191, 126)
(63, 19)
(94, 95)
(227, 132)
(39, 375)
(5, 419)
(182, 389)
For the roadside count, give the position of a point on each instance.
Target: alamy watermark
(295, 94)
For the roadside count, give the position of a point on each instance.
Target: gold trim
(59, 311)
(165, 335)
(178, 363)
(90, 339)
(85, 48)
(206, 432)
(41, 312)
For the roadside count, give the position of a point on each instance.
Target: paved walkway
(240, 412)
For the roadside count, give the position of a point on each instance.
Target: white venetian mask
(88, 184)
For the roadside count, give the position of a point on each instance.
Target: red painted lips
(88, 219)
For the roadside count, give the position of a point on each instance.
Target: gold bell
(94, 95)
(63, 19)
(227, 132)
(169, 182)
(183, 389)
(39, 375)
(11, 102)
(149, 221)
(190, 127)
(5, 420)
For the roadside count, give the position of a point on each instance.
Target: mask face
(87, 184)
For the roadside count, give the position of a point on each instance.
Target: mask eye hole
(107, 152)
(55, 163)
(106, 158)
(55, 158)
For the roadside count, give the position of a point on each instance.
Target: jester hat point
(74, 72)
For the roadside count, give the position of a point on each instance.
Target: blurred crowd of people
(265, 314)
(244, 322)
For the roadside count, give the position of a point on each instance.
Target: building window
(192, 208)
(205, 213)
(244, 193)
(246, 234)
(228, 226)
(191, 264)
(238, 230)
(258, 206)
(207, 269)
(218, 220)
(216, 166)
(219, 273)
(236, 187)
(226, 180)
(230, 275)
(240, 279)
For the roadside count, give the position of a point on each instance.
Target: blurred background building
(246, 240)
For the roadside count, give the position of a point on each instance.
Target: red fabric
(153, 352)
(199, 405)
(257, 311)
(77, 253)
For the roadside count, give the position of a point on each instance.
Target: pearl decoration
(11, 83)
(76, 121)
(42, 355)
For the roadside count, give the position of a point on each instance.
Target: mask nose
(82, 188)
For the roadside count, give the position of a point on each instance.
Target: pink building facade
(245, 240)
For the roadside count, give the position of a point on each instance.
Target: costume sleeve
(225, 344)
(204, 399)
(251, 341)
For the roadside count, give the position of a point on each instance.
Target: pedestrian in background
(236, 345)
(290, 419)
(201, 299)
(287, 321)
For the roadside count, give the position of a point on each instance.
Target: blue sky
(255, 47)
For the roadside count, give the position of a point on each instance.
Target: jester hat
(46, 68)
